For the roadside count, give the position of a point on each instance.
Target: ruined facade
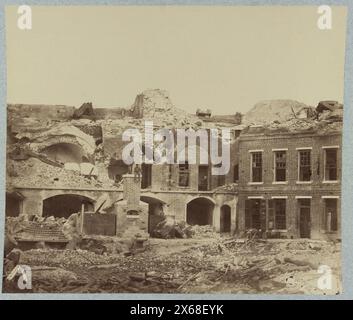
(289, 184)
(285, 183)
(60, 162)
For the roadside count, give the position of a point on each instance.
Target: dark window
(203, 184)
(280, 166)
(277, 214)
(221, 179)
(256, 166)
(255, 213)
(331, 164)
(184, 174)
(305, 165)
(146, 180)
(236, 173)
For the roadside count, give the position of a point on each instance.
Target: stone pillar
(132, 191)
(233, 215)
(217, 218)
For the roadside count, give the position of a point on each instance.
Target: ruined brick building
(286, 182)
(289, 183)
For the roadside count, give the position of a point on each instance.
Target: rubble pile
(36, 229)
(168, 228)
(209, 265)
(275, 116)
(67, 258)
(157, 106)
(265, 112)
(33, 172)
(207, 231)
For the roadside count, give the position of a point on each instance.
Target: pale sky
(222, 58)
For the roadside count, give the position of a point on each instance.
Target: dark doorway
(155, 212)
(331, 215)
(255, 214)
(199, 211)
(225, 219)
(116, 170)
(304, 218)
(13, 204)
(203, 178)
(146, 180)
(66, 204)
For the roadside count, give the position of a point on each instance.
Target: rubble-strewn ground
(211, 264)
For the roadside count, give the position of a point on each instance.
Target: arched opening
(155, 211)
(225, 218)
(14, 203)
(65, 153)
(199, 211)
(66, 204)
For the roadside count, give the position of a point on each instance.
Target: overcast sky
(222, 58)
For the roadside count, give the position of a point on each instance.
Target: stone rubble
(223, 265)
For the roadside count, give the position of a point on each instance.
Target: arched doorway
(66, 204)
(200, 211)
(155, 211)
(225, 218)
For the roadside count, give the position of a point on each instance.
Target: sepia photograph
(174, 149)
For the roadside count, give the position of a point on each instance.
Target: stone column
(132, 191)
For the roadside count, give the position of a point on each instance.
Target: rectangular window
(280, 166)
(256, 166)
(184, 174)
(330, 164)
(304, 163)
(236, 173)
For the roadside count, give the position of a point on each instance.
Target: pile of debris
(217, 265)
(37, 229)
(33, 172)
(206, 231)
(292, 116)
(265, 112)
(169, 228)
(156, 105)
